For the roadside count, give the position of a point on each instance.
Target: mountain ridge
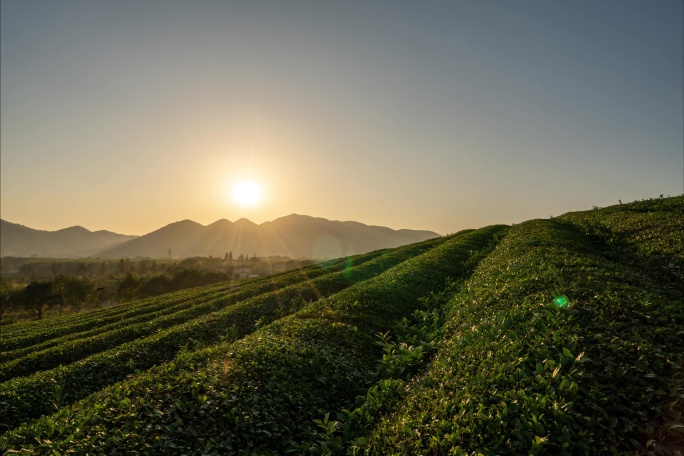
(70, 242)
(293, 235)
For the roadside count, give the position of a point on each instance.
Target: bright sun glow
(246, 193)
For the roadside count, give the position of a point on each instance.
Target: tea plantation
(559, 336)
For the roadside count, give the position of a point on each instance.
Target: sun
(246, 193)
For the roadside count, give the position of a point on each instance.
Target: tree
(82, 292)
(155, 285)
(73, 292)
(121, 267)
(128, 287)
(229, 256)
(38, 298)
(58, 285)
(104, 270)
(9, 297)
(241, 258)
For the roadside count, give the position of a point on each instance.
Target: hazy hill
(294, 236)
(76, 241)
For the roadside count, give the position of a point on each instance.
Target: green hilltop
(557, 336)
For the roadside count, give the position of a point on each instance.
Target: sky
(129, 115)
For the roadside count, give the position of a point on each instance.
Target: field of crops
(557, 336)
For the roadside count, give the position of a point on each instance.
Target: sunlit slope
(265, 389)
(518, 373)
(261, 301)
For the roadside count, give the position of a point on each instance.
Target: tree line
(44, 287)
(69, 293)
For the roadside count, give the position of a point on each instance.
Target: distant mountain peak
(294, 235)
(184, 222)
(74, 229)
(74, 241)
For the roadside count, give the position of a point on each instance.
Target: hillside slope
(558, 336)
(566, 340)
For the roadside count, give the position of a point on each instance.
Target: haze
(129, 115)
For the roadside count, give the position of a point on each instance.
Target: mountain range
(76, 241)
(296, 236)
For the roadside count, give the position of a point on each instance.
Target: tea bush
(264, 390)
(519, 374)
(33, 396)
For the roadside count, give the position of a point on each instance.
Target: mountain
(294, 236)
(74, 242)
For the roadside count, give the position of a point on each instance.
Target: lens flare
(561, 301)
(348, 265)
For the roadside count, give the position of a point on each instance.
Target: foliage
(264, 388)
(517, 374)
(129, 279)
(38, 297)
(558, 336)
(73, 292)
(9, 297)
(245, 309)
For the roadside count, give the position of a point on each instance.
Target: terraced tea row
(261, 391)
(67, 351)
(44, 330)
(50, 329)
(73, 347)
(29, 397)
(171, 308)
(555, 346)
(74, 322)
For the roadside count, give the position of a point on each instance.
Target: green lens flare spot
(561, 301)
(348, 265)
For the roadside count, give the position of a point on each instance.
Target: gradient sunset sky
(129, 115)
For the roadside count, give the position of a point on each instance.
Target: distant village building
(243, 271)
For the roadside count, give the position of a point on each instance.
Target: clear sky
(129, 115)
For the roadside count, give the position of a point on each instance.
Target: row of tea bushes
(558, 344)
(258, 393)
(165, 307)
(30, 333)
(29, 397)
(147, 311)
